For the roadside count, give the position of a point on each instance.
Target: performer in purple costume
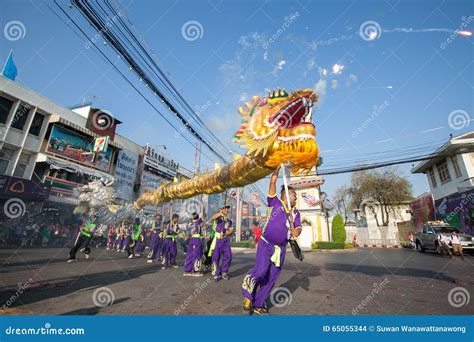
(220, 247)
(192, 265)
(155, 244)
(259, 282)
(169, 244)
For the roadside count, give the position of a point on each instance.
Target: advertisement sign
(156, 158)
(71, 145)
(150, 181)
(457, 210)
(422, 209)
(24, 188)
(125, 173)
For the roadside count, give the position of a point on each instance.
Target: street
(363, 282)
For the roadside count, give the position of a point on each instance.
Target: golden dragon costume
(275, 129)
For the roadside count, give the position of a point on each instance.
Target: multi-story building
(450, 174)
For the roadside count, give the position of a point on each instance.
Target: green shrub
(338, 229)
(331, 245)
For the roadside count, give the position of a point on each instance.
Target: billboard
(422, 209)
(457, 210)
(74, 146)
(125, 173)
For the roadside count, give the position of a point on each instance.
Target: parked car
(427, 239)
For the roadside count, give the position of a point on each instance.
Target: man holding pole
(283, 223)
(220, 247)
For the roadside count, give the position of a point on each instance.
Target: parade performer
(220, 247)
(155, 244)
(169, 243)
(136, 239)
(192, 265)
(271, 251)
(84, 237)
(110, 237)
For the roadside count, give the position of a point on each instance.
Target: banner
(74, 146)
(125, 172)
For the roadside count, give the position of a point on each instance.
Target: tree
(338, 229)
(342, 202)
(384, 189)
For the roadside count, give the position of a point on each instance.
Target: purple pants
(193, 256)
(125, 242)
(138, 246)
(224, 253)
(169, 251)
(118, 243)
(155, 247)
(259, 282)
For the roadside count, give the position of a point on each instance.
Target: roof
(457, 145)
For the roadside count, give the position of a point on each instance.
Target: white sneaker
(163, 267)
(87, 256)
(174, 266)
(197, 274)
(187, 274)
(149, 261)
(130, 256)
(71, 260)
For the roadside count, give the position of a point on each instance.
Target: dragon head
(279, 128)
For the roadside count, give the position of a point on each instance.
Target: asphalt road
(362, 282)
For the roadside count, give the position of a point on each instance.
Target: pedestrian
(169, 242)
(271, 251)
(220, 247)
(443, 243)
(155, 243)
(456, 244)
(192, 265)
(84, 238)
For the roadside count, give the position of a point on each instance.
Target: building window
(432, 178)
(36, 124)
(20, 117)
(5, 107)
(457, 169)
(6, 154)
(443, 172)
(22, 164)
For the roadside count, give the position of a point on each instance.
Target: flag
(9, 70)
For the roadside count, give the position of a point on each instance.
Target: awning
(68, 166)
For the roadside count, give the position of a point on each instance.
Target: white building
(451, 169)
(314, 218)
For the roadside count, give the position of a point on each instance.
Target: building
(310, 203)
(450, 175)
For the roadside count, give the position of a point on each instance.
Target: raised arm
(273, 180)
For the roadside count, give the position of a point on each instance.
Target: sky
(390, 75)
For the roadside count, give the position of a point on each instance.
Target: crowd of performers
(209, 245)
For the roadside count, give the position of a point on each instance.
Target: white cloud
(337, 68)
(320, 89)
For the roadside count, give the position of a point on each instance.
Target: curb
(379, 246)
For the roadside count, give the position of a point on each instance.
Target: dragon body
(275, 129)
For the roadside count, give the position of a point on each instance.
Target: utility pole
(238, 215)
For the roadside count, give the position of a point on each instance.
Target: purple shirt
(276, 230)
(196, 226)
(171, 228)
(222, 225)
